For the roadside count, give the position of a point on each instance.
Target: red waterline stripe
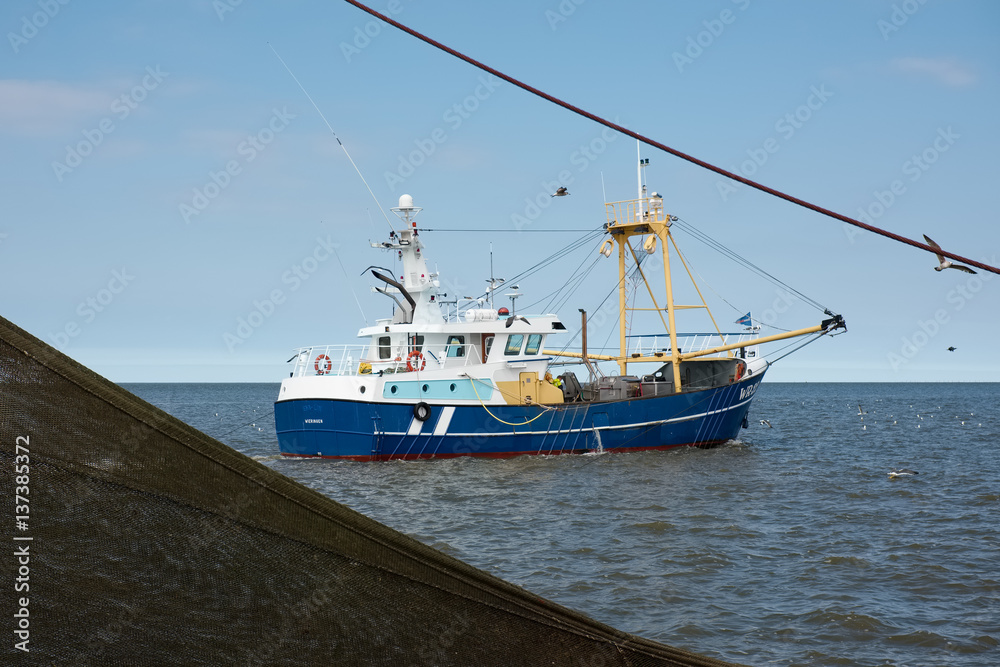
(505, 455)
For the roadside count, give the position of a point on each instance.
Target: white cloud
(47, 108)
(948, 71)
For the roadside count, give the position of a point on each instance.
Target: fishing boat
(445, 378)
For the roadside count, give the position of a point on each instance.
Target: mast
(645, 217)
(675, 354)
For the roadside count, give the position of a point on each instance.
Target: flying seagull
(513, 318)
(903, 472)
(561, 192)
(945, 263)
(764, 422)
(952, 348)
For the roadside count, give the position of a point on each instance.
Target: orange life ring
(322, 360)
(422, 363)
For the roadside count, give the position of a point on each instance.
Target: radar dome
(405, 201)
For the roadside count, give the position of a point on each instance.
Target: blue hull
(365, 431)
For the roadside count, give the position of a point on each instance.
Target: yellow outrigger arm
(826, 326)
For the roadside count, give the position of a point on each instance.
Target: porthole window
(452, 386)
(424, 388)
(392, 389)
(363, 389)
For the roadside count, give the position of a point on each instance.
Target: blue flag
(745, 320)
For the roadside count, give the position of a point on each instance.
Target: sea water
(792, 546)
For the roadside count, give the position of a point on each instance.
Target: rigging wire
(673, 151)
(597, 310)
(739, 259)
(565, 250)
(334, 136)
(349, 283)
(571, 284)
(812, 339)
(546, 231)
(578, 284)
(633, 274)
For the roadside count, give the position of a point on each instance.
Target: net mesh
(152, 543)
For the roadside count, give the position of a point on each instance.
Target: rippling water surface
(792, 546)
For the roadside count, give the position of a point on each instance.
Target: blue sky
(164, 178)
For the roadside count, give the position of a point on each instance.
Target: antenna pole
(638, 157)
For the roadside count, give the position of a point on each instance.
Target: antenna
(641, 213)
(492, 281)
(513, 296)
(334, 136)
(638, 155)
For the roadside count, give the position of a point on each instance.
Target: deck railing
(357, 360)
(650, 344)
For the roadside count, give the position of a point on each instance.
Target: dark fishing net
(152, 543)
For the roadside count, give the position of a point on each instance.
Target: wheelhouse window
(534, 344)
(384, 347)
(514, 342)
(456, 346)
